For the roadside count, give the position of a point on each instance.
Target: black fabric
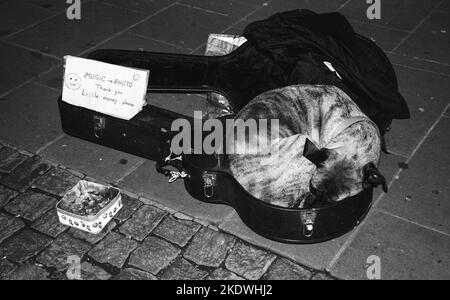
(299, 41)
(313, 154)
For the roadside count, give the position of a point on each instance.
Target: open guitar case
(239, 76)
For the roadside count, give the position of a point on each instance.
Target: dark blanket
(300, 41)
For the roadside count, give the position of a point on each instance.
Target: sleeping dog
(325, 150)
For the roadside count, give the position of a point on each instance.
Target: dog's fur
(285, 177)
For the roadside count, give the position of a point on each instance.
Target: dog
(326, 149)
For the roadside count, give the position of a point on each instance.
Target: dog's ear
(373, 177)
(313, 154)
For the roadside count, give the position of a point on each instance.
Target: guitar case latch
(209, 181)
(308, 219)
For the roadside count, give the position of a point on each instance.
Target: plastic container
(91, 224)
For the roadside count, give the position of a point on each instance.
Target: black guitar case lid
(239, 76)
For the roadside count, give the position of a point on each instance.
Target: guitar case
(239, 76)
(148, 135)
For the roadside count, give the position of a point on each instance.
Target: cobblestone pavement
(142, 242)
(162, 232)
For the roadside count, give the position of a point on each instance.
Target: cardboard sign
(106, 88)
(223, 44)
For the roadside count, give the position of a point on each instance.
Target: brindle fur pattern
(286, 178)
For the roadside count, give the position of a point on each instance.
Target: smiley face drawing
(73, 81)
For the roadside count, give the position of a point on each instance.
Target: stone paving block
(421, 193)
(154, 255)
(255, 2)
(283, 269)
(191, 29)
(134, 274)
(177, 231)
(130, 205)
(387, 39)
(131, 41)
(91, 159)
(431, 41)
(22, 65)
(114, 250)
(24, 175)
(57, 254)
(91, 272)
(10, 159)
(445, 6)
(223, 274)
(240, 26)
(416, 63)
(447, 113)
(233, 9)
(183, 270)
(9, 225)
(249, 262)
(146, 182)
(74, 172)
(24, 245)
(209, 247)
(92, 238)
(28, 272)
(6, 268)
(52, 78)
(31, 118)
(235, 30)
(142, 6)
(316, 256)
(29, 15)
(53, 6)
(59, 31)
(31, 205)
(404, 15)
(142, 222)
(286, 5)
(427, 96)
(321, 277)
(389, 166)
(56, 182)
(6, 195)
(406, 251)
(49, 224)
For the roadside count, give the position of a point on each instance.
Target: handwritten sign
(106, 88)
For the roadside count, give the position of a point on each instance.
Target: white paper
(106, 88)
(223, 44)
